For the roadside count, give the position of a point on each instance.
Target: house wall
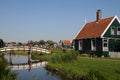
(112, 38)
(76, 44)
(108, 32)
(99, 48)
(86, 46)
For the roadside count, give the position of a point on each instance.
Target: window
(105, 44)
(112, 30)
(118, 31)
(93, 45)
(80, 44)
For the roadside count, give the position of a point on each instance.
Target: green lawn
(110, 69)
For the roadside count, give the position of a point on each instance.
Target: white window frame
(105, 44)
(118, 32)
(113, 30)
(80, 44)
(93, 44)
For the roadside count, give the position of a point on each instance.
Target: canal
(32, 72)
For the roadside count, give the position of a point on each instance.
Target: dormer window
(118, 31)
(112, 30)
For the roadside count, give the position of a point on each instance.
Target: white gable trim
(110, 25)
(79, 31)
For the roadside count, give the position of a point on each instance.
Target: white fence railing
(114, 54)
(26, 49)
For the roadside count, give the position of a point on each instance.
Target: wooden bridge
(5, 49)
(28, 66)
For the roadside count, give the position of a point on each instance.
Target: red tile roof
(66, 42)
(94, 29)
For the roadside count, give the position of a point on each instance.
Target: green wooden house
(100, 37)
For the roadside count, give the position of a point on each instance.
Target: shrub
(84, 55)
(67, 57)
(5, 73)
(93, 75)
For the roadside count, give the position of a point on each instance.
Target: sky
(23, 20)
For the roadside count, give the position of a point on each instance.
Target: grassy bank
(5, 73)
(84, 68)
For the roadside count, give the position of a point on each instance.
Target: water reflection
(38, 73)
(18, 62)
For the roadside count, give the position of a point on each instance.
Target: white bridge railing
(114, 54)
(27, 66)
(25, 49)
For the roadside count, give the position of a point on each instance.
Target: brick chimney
(98, 15)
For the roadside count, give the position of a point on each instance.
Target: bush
(5, 73)
(67, 57)
(93, 75)
(84, 55)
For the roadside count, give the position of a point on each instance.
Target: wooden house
(100, 37)
(65, 44)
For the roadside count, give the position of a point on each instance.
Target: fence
(114, 54)
(26, 49)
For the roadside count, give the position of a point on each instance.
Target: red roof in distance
(66, 42)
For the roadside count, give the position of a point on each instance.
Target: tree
(31, 42)
(50, 43)
(2, 44)
(42, 42)
(20, 44)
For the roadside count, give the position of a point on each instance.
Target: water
(39, 73)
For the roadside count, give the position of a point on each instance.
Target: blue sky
(23, 20)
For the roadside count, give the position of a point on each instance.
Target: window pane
(113, 31)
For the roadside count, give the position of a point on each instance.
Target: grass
(83, 67)
(5, 73)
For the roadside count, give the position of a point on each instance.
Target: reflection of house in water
(65, 44)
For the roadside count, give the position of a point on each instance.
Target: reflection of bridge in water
(29, 65)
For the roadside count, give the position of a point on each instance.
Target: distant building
(65, 44)
(11, 44)
(100, 37)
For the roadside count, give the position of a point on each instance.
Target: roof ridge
(100, 19)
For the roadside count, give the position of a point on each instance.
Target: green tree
(42, 42)
(2, 44)
(20, 44)
(50, 42)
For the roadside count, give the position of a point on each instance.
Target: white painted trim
(80, 44)
(93, 48)
(110, 25)
(80, 30)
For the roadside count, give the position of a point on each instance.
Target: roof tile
(94, 29)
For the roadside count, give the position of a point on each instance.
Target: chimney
(98, 15)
